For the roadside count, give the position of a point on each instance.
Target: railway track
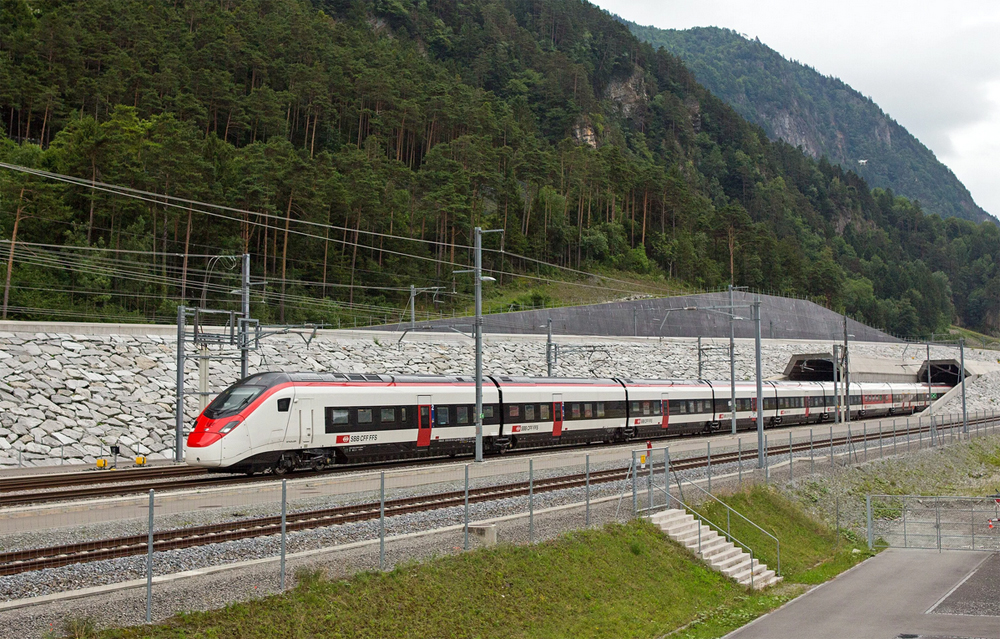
(17, 491)
(36, 559)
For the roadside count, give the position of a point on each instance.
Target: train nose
(210, 455)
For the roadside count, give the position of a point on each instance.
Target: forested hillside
(823, 115)
(357, 144)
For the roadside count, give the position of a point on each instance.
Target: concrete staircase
(718, 552)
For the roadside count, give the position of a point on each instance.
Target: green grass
(974, 339)
(620, 581)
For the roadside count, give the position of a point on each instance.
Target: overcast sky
(934, 67)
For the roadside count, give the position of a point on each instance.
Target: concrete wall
(781, 318)
(78, 390)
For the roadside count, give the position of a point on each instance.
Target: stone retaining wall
(70, 396)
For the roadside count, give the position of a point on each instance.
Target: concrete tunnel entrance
(818, 367)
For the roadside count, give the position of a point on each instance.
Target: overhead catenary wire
(187, 204)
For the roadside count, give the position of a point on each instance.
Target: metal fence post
(666, 474)
(864, 428)
(587, 519)
(905, 540)
(531, 500)
(381, 523)
(837, 507)
(868, 517)
(812, 454)
(149, 563)
(739, 458)
(937, 521)
(767, 462)
(893, 436)
(635, 495)
(466, 506)
(972, 520)
(791, 463)
(649, 478)
(284, 514)
(832, 465)
(709, 454)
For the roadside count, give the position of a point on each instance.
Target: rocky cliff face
(820, 114)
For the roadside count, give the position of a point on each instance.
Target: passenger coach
(285, 421)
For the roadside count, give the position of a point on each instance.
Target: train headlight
(230, 425)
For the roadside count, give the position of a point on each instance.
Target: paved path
(891, 595)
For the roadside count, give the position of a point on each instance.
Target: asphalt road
(919, 593)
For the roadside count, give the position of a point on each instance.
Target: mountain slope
(821, 114)
(360, 143)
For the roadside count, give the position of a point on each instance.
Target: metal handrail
(727, 534)
(738, 514)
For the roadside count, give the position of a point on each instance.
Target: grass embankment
(619, 581)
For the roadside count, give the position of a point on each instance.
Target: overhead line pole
(477, 272)
(732, 361)
(760, 385)
(245, 329)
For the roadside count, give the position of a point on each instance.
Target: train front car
(233, 433)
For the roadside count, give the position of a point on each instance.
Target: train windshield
(232, 401)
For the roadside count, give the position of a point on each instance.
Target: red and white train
(286, 421)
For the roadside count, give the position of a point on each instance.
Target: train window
(364, 415)
(284, 404)
(557, 411)
(529, 412)
(402, 417)
(543, 412)
(600, 409)
(691, 406)
(462, 414)
(338, 420)
(442, 415)
(513, 410)
(635, 408)
(615, 409)
(575, 411)
(387, 415)
(488, 411)
(588, 410)
(656, 407)
(645, 408)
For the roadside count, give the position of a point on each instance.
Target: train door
(557, 414)
(305, 415)
(665, 410)
(805, 403)
(425, 416)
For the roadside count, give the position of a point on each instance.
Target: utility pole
(928, 378)
(414, 291)
(245, 329)
(179, 424)
(413, 307)
(847, 377)
(548, 349)
(965, 413)
(479, 344)
(760, 384)
(732, 361)
(477, 272)
(836, 379)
